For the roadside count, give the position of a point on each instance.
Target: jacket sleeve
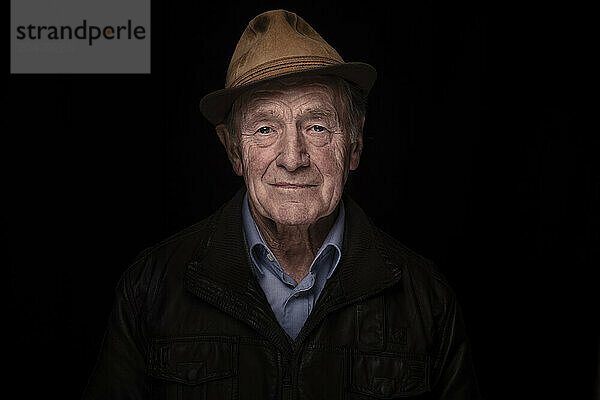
(456, 378)
(120, 370)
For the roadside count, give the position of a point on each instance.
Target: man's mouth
(290, 185)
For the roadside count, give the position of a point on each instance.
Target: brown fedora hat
(279, 43)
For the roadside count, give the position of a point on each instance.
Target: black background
(476, 156)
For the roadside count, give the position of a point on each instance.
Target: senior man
(288, 291)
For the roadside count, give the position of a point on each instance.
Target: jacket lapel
(366, 265)
(366, 268)
(221, 274)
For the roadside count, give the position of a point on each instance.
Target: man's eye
(318, 128)
(265, 130)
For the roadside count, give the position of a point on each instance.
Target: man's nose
(293, 154)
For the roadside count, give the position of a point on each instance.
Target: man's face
(293, 153)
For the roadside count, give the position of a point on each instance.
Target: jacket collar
(220, 271)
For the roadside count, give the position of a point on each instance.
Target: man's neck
(294, 246)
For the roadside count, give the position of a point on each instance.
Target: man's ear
(356, 147)
(231, 148)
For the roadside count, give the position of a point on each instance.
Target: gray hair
(352, 106)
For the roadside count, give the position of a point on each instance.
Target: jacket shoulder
(412, 266)
(149, 271)
(186, 240)
(421, 271)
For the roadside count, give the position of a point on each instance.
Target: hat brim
(216, 105)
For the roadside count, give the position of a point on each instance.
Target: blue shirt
(290, 301)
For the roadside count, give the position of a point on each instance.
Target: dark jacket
(190, 321)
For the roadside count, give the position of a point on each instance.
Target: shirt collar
(253, 236)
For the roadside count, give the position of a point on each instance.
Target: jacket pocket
(202, 367)
(388, 376)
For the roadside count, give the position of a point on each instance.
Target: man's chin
(293, 214)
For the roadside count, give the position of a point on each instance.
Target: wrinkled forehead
(319, 90)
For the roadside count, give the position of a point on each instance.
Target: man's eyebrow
(253, 114)
(318, 112)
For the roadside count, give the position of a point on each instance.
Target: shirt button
(270, 257)
(296, 294)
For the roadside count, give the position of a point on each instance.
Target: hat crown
(275, 43)
(280, 43)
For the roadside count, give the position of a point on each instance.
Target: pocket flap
(384, 377)
(193, 360)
